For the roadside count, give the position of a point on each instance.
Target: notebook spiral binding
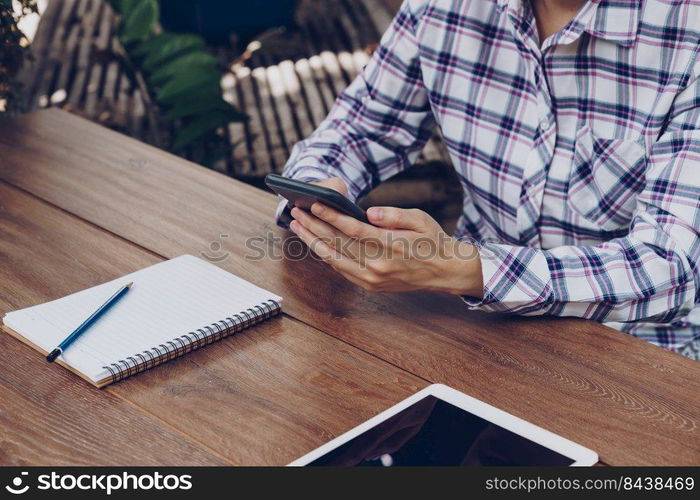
(190, 341)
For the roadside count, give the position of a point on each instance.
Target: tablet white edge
(580, 455)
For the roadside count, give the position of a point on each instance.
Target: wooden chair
(286, 86)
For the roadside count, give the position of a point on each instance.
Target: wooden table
(80, 204)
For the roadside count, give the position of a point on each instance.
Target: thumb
(400, 218)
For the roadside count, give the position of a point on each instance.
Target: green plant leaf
(139, 22)
(203, 93)
(187, 63)
(126, 6)
(202, 105)
(153, 44)
(199, 127)
(180, 87)
(176, 46)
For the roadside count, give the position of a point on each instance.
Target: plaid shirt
(575, 154)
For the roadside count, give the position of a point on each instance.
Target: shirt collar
(613, 20)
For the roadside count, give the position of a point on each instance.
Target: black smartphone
(303, 195)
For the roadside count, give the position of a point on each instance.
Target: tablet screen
(435, 432)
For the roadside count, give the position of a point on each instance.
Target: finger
(324, 251)
(350, 269)
(315, 243)
(346, 224)
(331, 236)
(400, 218)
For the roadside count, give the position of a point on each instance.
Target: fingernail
(376, 213)
(295, 212)
(293, 226)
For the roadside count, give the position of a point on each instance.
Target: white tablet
(440, 426)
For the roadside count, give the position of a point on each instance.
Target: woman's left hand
(401, 250)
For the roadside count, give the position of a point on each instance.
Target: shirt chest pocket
(607, 176)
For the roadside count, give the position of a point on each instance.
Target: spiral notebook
(174, 307)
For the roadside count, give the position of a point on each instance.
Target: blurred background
(231, 85)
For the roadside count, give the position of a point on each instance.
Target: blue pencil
(86, 324)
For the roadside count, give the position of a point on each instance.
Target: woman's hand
(402, 250)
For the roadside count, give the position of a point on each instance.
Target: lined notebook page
(168, 300)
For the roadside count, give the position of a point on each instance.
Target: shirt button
(544, 124)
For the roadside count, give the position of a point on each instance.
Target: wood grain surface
(51, 417)
(632, 402)
(265, 396)
(48, 416)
